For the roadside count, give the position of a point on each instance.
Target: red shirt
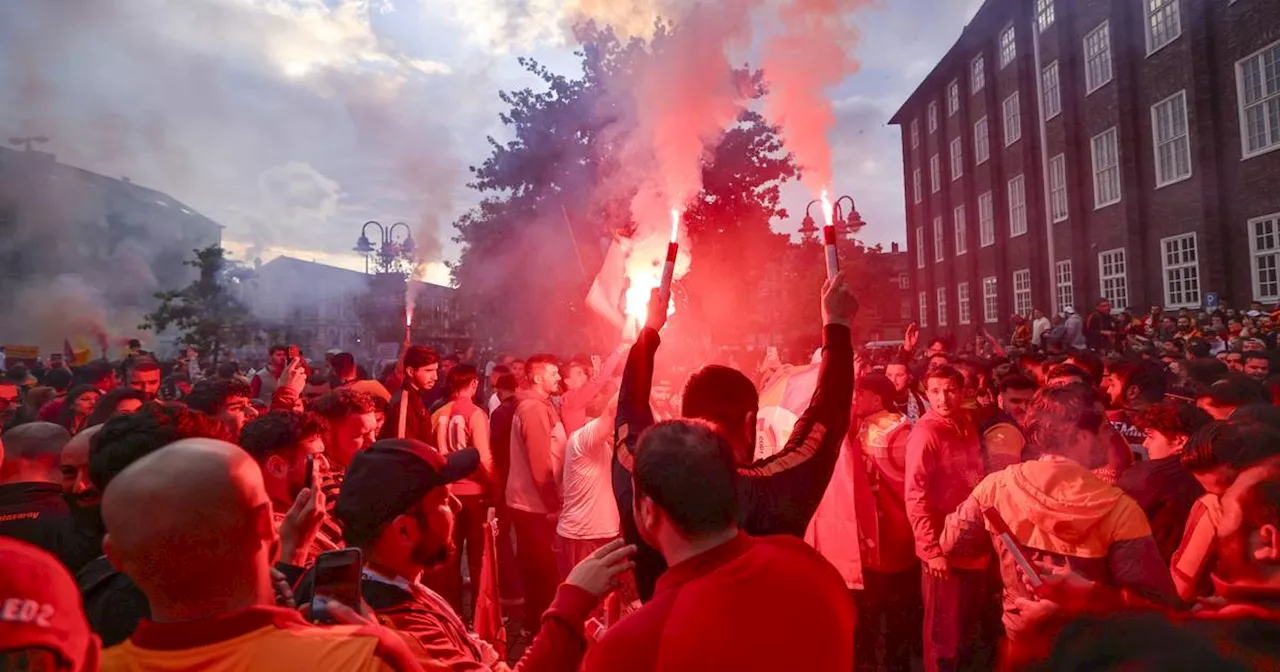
(754, 603)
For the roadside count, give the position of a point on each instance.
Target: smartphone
(311, 471)
(1005, 535)
(337, 577)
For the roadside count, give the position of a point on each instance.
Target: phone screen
(311, 470)
(337, 577)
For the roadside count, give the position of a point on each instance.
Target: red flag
(488, 598)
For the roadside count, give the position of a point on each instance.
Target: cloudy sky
(292, 122)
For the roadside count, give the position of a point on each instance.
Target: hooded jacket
(1062, 514)
(537, 455)
(944, 463)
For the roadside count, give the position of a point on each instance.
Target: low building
(320, 308)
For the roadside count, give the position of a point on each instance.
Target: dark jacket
(417, 423)
(113, 604)
(1166, 491)
(777, 495)
(37, 514)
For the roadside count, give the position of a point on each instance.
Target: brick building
(1125, 131)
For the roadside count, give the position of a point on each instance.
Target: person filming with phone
(397, 517)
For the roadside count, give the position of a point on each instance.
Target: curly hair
(279, 430)
(340, 404)
(1172, 418)
(209, 396)
(125, 439)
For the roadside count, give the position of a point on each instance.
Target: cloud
(288, 121)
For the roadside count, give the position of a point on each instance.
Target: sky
(293, 122)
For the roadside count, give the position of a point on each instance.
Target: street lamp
(389, 250)
(848, 226)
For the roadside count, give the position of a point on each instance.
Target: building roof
(970, 41)
(118, 194)
(284, 265)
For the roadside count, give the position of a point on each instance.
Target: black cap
(389, 478)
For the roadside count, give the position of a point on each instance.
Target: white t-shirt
(494, 403)
(589, 510)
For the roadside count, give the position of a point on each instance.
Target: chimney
(894, 247)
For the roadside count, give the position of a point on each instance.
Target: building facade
(321, 308)
(1066, 151)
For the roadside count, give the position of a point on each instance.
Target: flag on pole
(488, 620)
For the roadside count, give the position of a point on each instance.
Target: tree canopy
(207, 313)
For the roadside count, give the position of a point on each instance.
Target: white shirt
(494, 403)
(1039, 328)
(590, 511)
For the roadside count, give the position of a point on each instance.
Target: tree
(552, 200)
(206, 313)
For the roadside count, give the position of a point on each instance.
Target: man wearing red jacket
(729, 601)
(944, 463)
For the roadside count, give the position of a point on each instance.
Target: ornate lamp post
(390, 255)
(847, 225)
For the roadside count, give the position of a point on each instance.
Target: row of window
(1258, 95)
(990, 300)
(1172, 146)
(1180, 269)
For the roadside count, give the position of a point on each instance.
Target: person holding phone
(289, 449)
(395, 508)
(1058, 512)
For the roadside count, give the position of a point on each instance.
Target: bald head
(191, 523)
(32, 452)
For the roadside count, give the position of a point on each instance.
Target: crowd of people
(1096, 492)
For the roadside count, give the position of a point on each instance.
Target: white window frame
(981, 141)
(1044, 14)
(939, 240)
(917, 188)
(1012, 109)
(1180, 266)
(924, 308)
(990, 300)
(963, 310)
(1267, 100)
(1157, 13)
(1017, 206)
(1064, 283)
(935, 174)
(977, 74)
(1264, 257)
(1098, 69)
(933, 116)
(1178, 142)
(961, 229)
(1058, 204)
(957, 159)
(941, 306)
(915, 133)
(1113, 277)
(1022, 292)
(1050, 84)
(919, 247)
(1109, 171)
(904, 281)
(953, 97)
(986, 219)
(1008, 46)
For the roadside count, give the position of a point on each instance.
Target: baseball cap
(1069, 310)
(389, 478)
(42, 608)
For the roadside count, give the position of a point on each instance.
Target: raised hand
(838, 304)
(598, 573)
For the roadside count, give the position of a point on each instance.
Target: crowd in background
(1096, 491)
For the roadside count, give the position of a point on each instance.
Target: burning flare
(827, 209)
